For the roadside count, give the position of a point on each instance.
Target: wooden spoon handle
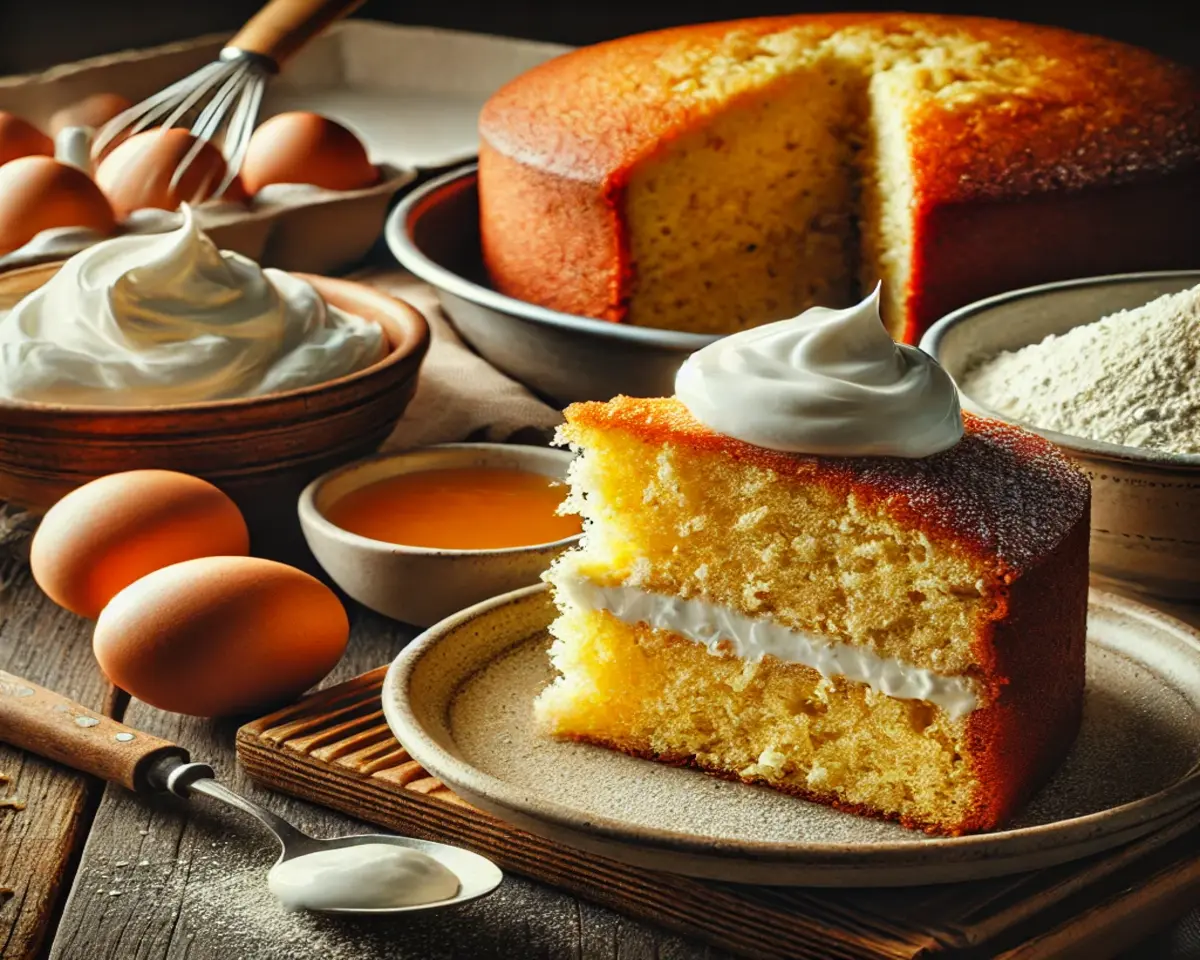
(42, 722)
(282, 27)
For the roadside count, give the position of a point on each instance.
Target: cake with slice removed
(717, 176)
(895, 635)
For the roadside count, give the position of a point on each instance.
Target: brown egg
(137, 173)
(236, 191)
(94, 111)
(103, 536)
(306, 148)
(20, 138)
(221, 635)
(40, 193)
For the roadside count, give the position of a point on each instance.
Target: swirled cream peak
(156, 319)
(828, 382)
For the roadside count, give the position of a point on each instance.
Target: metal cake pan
(434, 232)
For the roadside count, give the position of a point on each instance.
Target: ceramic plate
(459, 699)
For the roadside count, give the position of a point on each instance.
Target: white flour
(1131, 378)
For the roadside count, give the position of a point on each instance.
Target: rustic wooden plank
(45, 809)
(167, 879)
(1109, 926)
(156, 879)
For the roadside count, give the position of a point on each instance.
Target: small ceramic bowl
(1145, 504)
(422, 585)
(260, 450)
(434, 232)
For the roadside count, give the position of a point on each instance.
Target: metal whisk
(220, 102)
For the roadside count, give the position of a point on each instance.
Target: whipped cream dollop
(829, 382)
(157, 319)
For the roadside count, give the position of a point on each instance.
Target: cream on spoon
(369, 876)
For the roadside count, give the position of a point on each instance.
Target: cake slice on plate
(899, 634)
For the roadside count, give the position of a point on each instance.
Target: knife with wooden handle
(52, 726)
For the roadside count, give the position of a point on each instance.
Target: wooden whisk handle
(282, 27)
(42, 722)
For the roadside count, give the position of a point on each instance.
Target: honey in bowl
(468, 508)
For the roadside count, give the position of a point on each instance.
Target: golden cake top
(1002, 493)
(993, 106)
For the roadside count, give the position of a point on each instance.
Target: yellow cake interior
(796, 188)
(679, 521)
(674, 521)
(654, 694)
(750, 216)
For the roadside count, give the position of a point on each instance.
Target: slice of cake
(900, 636)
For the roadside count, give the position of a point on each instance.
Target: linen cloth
(460, 396)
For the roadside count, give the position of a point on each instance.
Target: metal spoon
(42, 722)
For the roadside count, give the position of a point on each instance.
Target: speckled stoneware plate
(459, 698)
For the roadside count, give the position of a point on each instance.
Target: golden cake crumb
(970, 564)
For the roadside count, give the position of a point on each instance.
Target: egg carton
(412, 94)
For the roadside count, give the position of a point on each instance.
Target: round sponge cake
(719, 176)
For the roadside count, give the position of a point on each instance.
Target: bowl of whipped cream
(1108, 368)
(163, 351)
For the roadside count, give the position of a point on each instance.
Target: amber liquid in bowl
(458, 509)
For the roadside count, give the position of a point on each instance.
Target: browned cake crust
(1033, 657)
(1003, 495)
(1102, 140)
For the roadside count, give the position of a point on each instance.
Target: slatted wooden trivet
(334, 748)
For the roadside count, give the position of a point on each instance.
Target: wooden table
(99, 874)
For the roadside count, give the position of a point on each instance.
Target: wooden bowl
(260, 450)
(1145, 504)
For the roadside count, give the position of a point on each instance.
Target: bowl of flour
(1108, 368)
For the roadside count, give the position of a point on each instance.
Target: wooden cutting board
(334, 748)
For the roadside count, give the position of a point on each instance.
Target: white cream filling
(725, 631)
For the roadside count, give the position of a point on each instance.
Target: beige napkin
(460, 396)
